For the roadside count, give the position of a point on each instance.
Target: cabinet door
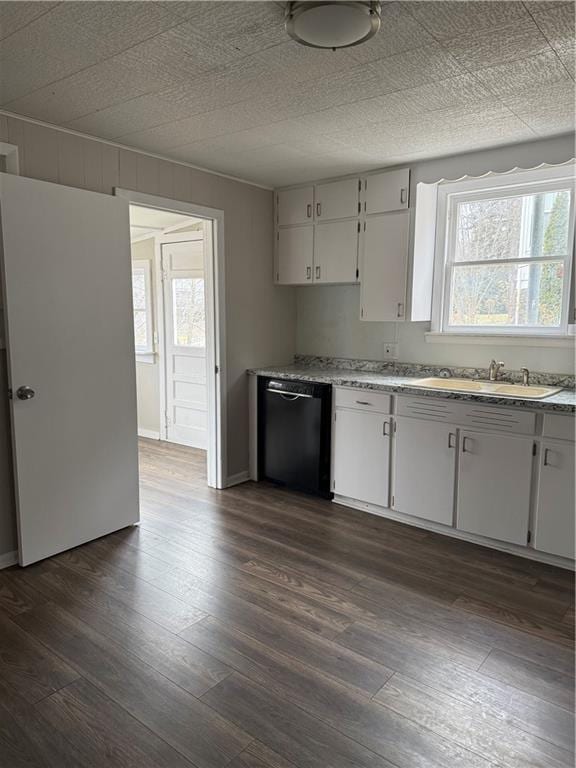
(337, 199)
(494, 478)
(424, 469)
(295, 255)
(362, 456)
(554, 530)
(295, 206)
(387, 191)
(383, 268)
(336, 252)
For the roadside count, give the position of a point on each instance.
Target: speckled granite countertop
(562, 402)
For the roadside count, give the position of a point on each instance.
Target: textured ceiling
(219, 84)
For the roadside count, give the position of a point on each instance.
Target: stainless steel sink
(495, 388)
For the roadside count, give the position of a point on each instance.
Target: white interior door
(70, 334)
(185, 334)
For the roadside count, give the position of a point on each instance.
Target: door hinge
(364, 226)
(362, 312)
(358, 224)
(364, 206)
(529, 537)
(359, 206)
(216, 369)
(392, 501)
(534, 449)
(357, 274)
(359, 185)
(278, 236)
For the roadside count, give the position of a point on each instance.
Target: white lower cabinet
(424, 469)
(494, 484)
(361, 456)
(555, 505)
(469, 468)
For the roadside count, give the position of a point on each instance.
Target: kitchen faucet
(525, 377)
(493, 370)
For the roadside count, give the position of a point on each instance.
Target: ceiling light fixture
(332, 24)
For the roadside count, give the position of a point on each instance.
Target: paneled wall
(260, 318)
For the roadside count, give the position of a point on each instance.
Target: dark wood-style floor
(257, 628)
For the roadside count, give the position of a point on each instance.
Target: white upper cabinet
(388, 191)
(294, 255)
(494, 483)
(295, 206)
(383, 267)
(337, 199)
(336, 252)
(554, 530)
(424, 469)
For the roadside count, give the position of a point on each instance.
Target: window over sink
(503, 254)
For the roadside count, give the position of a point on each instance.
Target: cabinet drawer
(467, 414)
(362, 399)
(428, 408)
(559, 426)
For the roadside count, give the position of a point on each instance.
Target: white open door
(69, 325)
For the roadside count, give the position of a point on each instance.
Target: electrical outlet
(390, 350)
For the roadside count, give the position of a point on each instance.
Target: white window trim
(146, 354)
(546, 177)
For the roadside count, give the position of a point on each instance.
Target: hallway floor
(258, 628)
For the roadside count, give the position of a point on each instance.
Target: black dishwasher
(294, 420)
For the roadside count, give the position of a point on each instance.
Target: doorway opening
(177, 282)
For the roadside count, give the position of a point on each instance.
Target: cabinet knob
(309, 210)
(317, 273)
(465, 441)
(403, 195)
(318, 209)
(308, 273)
(400, 309)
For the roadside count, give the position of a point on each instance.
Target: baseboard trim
(8, 559)
(149, 433)
(239, 477)
(512, 549)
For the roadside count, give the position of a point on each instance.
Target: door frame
(214, 271)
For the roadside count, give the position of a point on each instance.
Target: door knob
(25, 393)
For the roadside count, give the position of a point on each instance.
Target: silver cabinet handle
(309, 210)
(363, 402)
(384, 432)
(546, 463)
(403, 192)
(25, 393)
(464, 444)
(318, 209)
(318, 273)
(400, 309)
(308, 273)
(450, 443)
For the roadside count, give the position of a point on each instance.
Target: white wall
(328, 317)
(260, 317)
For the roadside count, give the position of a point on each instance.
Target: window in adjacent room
(142, 298)
(504, 256)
